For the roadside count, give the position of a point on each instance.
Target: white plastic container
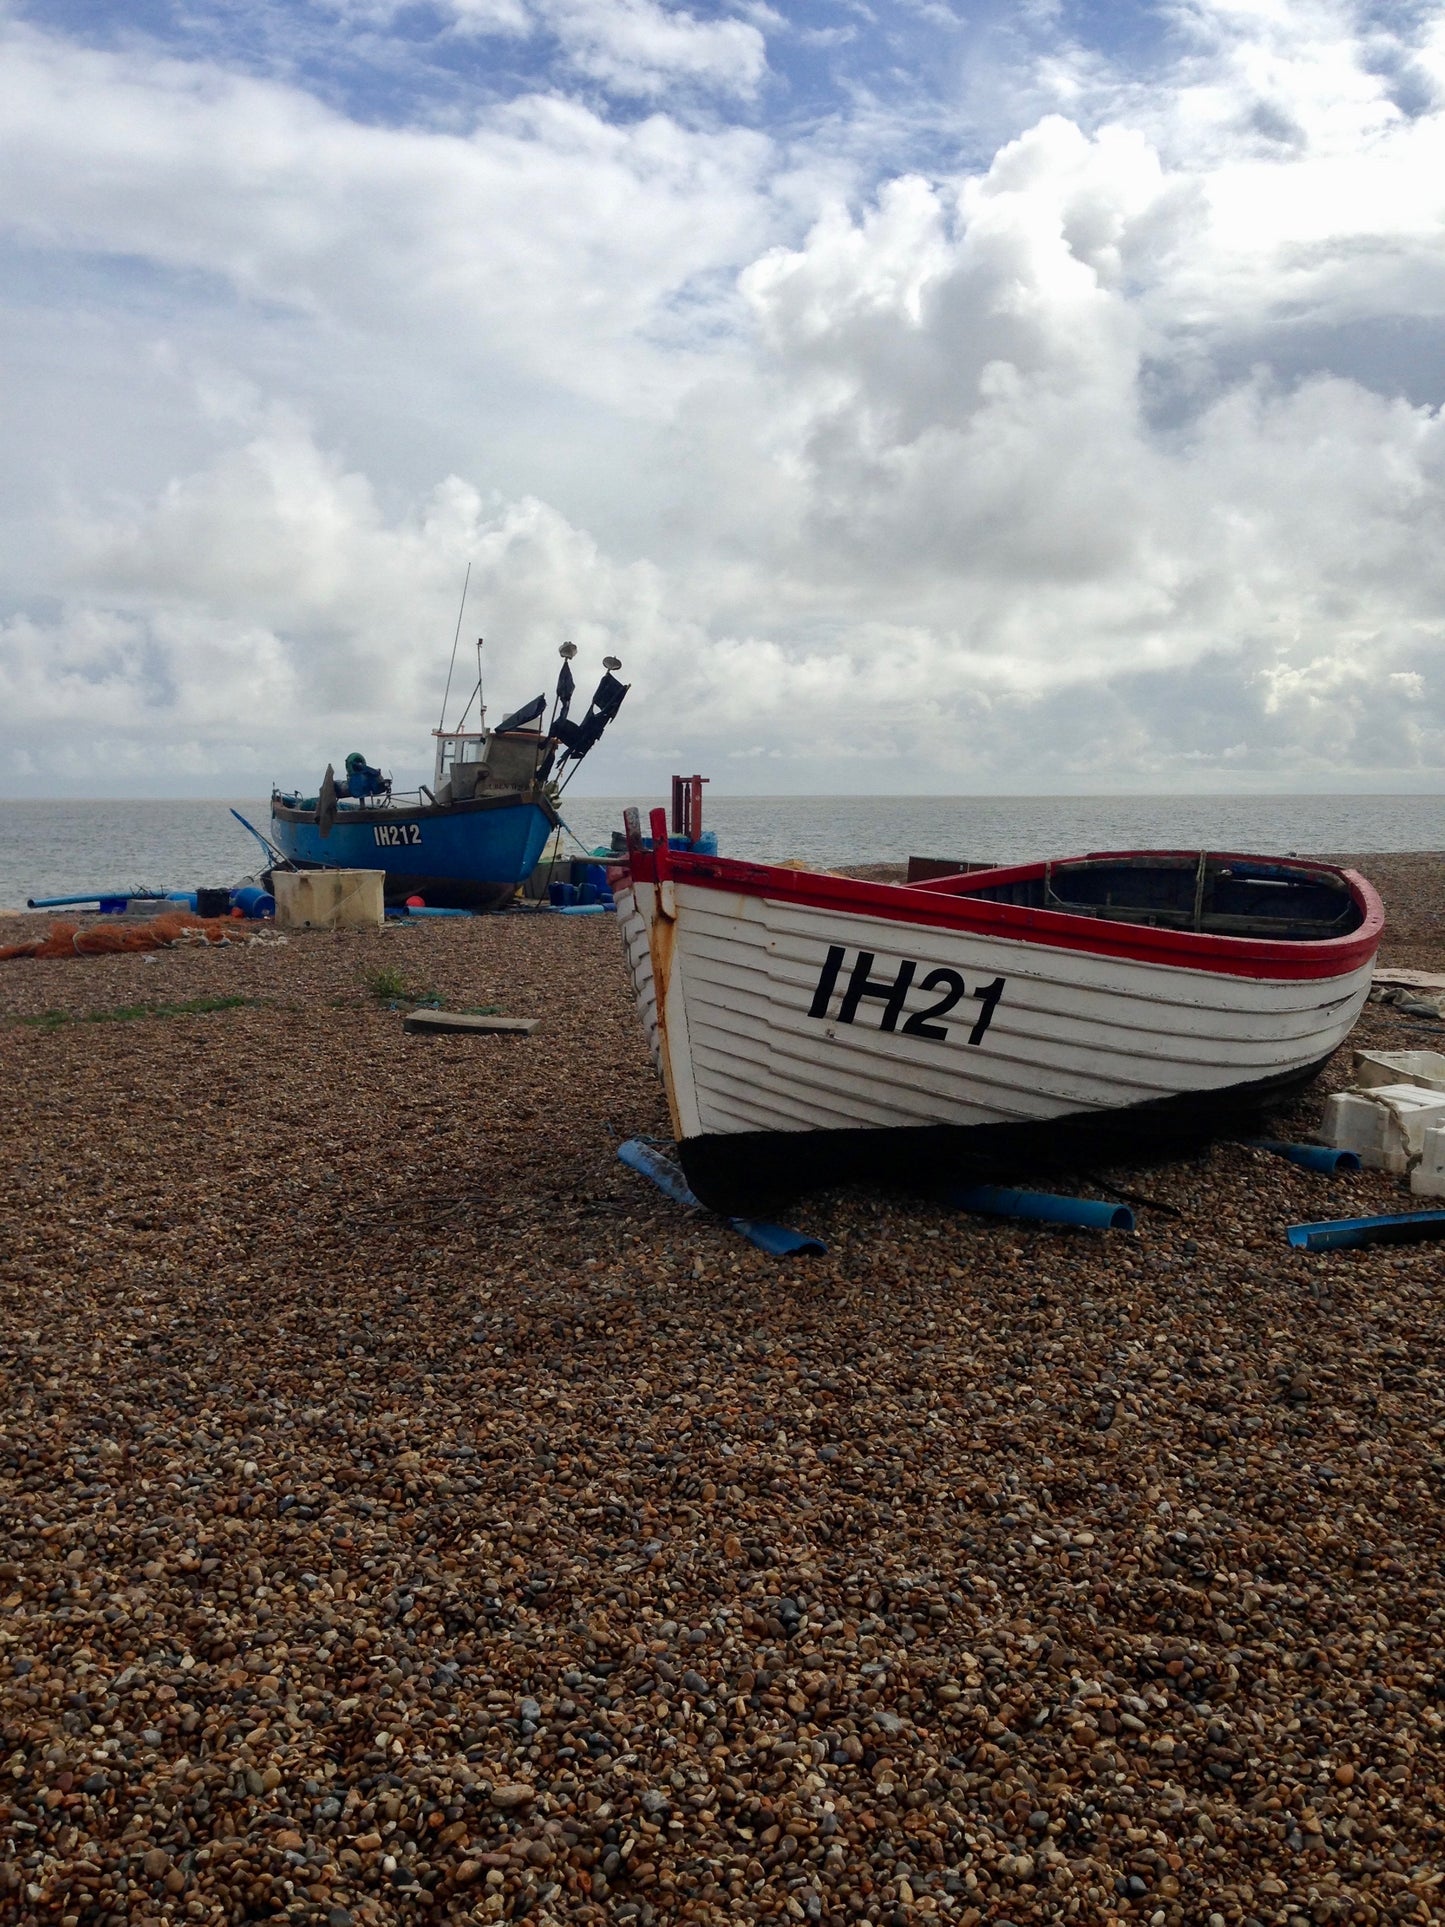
(328, 899)
(1386, 1126)
(1376, 1067)
(1427, 1178)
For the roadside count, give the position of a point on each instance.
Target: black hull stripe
(737, 1172)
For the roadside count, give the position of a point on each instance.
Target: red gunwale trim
(951, 909)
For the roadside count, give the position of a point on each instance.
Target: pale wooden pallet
(445, 1022)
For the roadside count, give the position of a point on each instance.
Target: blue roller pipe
(778, 1240)
(1313, 1157)
(1405, 1228)
(582, 909)
(426, 910)
(656, 1165)
(998, 1202)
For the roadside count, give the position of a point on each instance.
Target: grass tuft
(393, 987)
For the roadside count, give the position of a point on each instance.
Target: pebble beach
(407, 1513)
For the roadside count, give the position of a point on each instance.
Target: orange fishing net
(114, 937)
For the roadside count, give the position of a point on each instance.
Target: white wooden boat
(810, 1027)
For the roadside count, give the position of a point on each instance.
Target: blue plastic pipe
(656, 1165)
(998, 1202)
(778, 1240)
(100, 896)
(1405, 1228)
(1313, 1157)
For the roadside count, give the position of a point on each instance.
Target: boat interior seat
(1208, 896)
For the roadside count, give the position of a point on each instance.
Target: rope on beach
(591, 855)
(111, 939)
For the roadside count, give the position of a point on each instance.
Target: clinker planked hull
(807, 1029)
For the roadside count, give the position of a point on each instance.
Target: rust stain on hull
(661, 943)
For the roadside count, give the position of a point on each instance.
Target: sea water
(66, 848)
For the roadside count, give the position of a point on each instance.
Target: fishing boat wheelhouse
(479, 829)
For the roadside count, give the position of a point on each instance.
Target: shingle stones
(393, 1525)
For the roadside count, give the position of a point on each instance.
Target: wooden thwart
(460, 1020)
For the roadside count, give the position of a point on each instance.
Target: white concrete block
(1385, 1126)
(1427, 1179)
(328, 899)
(1376, 1067)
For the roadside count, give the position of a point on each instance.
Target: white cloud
(269, 599)
(639, 47)
(635, 48)
(1071, 463)
(549, 238)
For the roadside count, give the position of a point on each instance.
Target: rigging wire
(442, 719)
(476, 691)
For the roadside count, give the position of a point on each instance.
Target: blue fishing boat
(479, 828)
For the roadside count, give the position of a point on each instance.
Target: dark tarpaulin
(519, 718)
(577, 738)
(608, 695)
(565, 688)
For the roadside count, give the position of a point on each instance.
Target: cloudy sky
(917, 395)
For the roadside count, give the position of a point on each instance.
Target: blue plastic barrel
(561, 895)
(252, 901)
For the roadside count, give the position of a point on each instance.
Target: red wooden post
(661, 852)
